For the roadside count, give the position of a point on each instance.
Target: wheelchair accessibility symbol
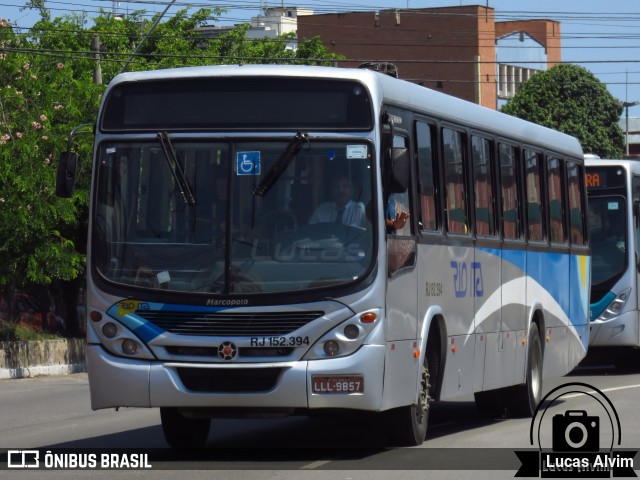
(248, 163)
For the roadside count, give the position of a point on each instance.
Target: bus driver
(342, 209)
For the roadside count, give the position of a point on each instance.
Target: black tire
(407, 426)
(524, 399)
(182, 432)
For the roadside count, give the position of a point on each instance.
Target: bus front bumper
(620, 331)
(121, 382)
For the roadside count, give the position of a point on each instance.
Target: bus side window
(533, 196)
(454, 181)
(575, 174)
(511, 227)
(483, 178)
(556, 200)
(427, 219)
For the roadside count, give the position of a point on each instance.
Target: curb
(44, 357)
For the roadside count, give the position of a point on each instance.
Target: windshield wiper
(281, 164)
(176, 169)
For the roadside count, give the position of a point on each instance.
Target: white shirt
(352, 215)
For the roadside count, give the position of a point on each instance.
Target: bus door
(401, 297)
(401, 262)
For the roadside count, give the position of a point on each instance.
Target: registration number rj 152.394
(279, 341)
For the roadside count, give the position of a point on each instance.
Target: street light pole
(626, 106)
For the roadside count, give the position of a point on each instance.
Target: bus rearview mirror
(398, 170)
(66, 174)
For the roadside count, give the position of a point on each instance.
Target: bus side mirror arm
(68, 164)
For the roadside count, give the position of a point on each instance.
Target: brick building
(461, 51)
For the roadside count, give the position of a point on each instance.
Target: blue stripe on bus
(597, 308)
(146, 330)
(544, 268)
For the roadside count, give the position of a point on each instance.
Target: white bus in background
(215, 290)
(613, 190)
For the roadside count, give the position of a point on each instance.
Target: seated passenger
(342, 209)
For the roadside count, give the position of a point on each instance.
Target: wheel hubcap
(423, 398)
(536, 374)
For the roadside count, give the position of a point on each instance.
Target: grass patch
(13, 332)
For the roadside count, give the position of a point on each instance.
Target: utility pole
(626, 106)
(97, 69)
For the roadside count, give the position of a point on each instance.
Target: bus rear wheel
(524, 398)
(407, 426)
(183, 432)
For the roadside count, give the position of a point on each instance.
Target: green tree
(47, 89)
(572, 100)
(39, 97)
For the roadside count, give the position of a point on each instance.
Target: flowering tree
(47, 88)
(39, 98)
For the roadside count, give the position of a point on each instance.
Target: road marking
(612, 389)
(314, 465)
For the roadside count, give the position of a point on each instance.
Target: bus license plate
(327, 384)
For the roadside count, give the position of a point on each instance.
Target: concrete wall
(46, 357)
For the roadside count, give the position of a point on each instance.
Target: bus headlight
(130, 347)
(615, 307)
(109, 330)
(117, 339)
(345, 338)
(331, 348)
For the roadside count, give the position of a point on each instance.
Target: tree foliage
(47, 88)
(572, 100)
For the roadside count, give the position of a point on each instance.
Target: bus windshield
(608, 238)
(184, 215)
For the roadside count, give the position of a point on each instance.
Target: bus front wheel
(183, 432)
(407, 426)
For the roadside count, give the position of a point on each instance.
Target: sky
(600, 35)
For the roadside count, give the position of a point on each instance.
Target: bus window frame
(435, 148)
(464, 133)
(565, 244)
(520, 240)
(494, 185)
(584, 206)
(543, 195)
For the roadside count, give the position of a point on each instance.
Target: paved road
(54, 413)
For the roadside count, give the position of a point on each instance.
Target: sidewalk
(45, 357)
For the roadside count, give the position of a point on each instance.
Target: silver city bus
(289, 239)
(613, 191)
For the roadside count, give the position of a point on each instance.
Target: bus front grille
(229, 324)
(242, 351)
(232, 380)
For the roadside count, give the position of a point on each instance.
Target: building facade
(461, 51)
